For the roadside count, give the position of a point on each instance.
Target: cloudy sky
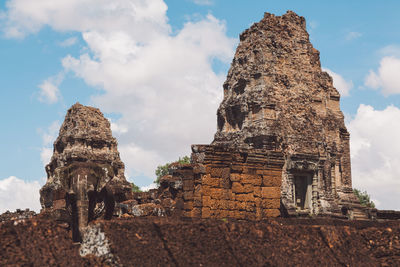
(156, 68)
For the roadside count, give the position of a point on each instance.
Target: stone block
(218, 193)
(216, 172)
(188, 195)
(257, 191)
(188, 205)
(195, 213)
(226, 172)
(198, 191)
(255, 180)
(271, 203)
(250, 206)
(211, 181)
(270, 192)
(206, 190)
(199, 169)
(205, 212)
(245, 197)
(271, 181)
(236, 169)
(235, 177)
(197, 202)
(206, 201)
(237, 187)
(250, 215)
(271, 212)
(248, 188)
(224, 213)
(249, 170)
(188, 184)
(231, 204)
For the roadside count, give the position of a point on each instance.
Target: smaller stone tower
(85, 176)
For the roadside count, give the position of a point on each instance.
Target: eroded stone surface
(276, 97)
(277, 101)
(85, 174)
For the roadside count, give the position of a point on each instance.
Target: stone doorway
(303, 191)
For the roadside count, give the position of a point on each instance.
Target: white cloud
(45, 155)
(390, 50)
(203, 2)
(18, 194)
(353, 35)
(166, 90)
(147, 188)
(140, 161)
(133, 16)
(375, 154)
(162, 84)
(69, 42)
(49, 92)
(340, 83)
(387, 76)
(117, 128)
(48, 137)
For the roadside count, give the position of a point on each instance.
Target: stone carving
(85, 174)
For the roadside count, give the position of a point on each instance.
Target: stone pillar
(333, 180)
(291, 188)
(346, 164)
(315, 193)
(82, 202)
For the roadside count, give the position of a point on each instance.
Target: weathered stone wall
(226, 183)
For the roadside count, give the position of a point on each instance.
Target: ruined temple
(85, 177)
(281, 146)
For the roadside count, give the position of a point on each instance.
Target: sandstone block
(248, 188)
(271, 203)
(257, 191)
(237, 187)
(188, 205)
(188, 184)
(199, 169)
(235, 177)
(211, 181)
(188, 195)
(195, 213)
(270, 192)
(271, 213)
(245, 197)
(206, 201)
(205, 213)
(271, 181)
(216, 172)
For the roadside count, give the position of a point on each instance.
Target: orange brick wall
(229, 184)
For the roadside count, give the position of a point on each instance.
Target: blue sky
(156, 70)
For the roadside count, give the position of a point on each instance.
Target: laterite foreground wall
(226, 183)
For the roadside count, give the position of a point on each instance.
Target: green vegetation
(364, 198)
(163, 169)
(135, 188)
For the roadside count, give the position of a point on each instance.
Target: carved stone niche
(300, 186)
(85, 192)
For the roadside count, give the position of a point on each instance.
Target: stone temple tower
(281, 146)
(276, 97)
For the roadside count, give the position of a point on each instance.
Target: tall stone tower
(276, 97)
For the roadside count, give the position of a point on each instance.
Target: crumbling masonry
(281, 147)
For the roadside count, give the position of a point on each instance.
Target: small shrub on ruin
(364, 198)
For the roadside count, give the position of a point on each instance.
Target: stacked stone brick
(227, 183)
